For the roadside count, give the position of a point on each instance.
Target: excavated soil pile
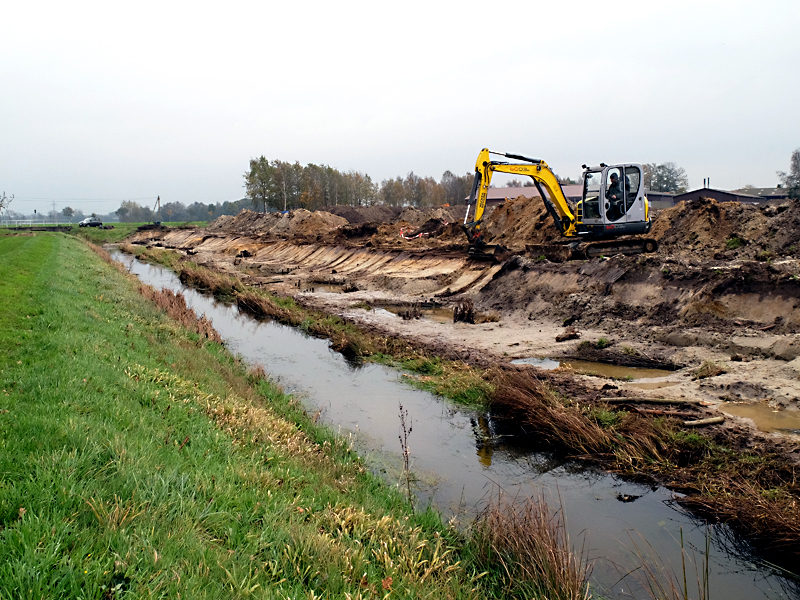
(708, 229)
(377, 226)
(519, 222)
(294, 224)
(356, 215)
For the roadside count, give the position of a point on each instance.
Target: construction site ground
(724, 287)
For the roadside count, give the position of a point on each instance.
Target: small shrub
(734, 242)
(602, 343)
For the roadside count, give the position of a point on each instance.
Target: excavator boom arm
(543, 177)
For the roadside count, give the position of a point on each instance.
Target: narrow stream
(459, 464)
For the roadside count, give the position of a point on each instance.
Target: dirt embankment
(724, 286)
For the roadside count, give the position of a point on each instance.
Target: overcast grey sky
(106, 101)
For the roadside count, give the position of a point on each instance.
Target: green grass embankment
(139, 457)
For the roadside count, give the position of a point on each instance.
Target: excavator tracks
(586, 250)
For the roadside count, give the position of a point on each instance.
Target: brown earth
(724, 287)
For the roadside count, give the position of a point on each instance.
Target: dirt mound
(365, 214)
(703, 229)
(294, 223)
(522, 221)
(706, 228)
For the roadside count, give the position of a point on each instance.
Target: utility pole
(157, 207)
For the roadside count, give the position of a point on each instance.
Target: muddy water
(766, 418)
(595, 368)
(459, 463)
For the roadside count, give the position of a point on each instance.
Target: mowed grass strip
(139, 460)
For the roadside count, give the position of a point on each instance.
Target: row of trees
(280, 185)
(132, 212)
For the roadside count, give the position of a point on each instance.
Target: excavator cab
(613, 201)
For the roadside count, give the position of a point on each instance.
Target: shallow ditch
(459, 461)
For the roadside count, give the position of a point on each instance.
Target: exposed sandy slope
(702, 297)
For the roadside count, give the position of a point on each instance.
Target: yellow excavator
(613, 205)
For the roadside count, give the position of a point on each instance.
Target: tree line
(132, 212)
(279, 185)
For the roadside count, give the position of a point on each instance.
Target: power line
(30, 198)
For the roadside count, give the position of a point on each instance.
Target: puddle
(460, 460)
(766, 418)
(596, 368)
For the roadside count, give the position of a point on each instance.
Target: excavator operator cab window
(633, 179)
(592, 186)
(615, 197)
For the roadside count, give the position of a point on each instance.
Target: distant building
(719, 196)
(776, 193)
(660, 200)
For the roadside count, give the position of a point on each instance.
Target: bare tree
(5, 201)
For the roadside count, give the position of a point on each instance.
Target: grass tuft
(527, 550)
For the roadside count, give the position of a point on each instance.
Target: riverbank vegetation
(141, 459)
(755, 489)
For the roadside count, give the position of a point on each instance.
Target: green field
(140, 460)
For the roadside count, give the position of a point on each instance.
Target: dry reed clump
(768, 517)
(523, 398)
(529, 550)
(174, 304)
(708, 369)
(262, 306)
(218, 284)
(632, 441)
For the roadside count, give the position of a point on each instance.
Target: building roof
(776, 192)
(721, 195)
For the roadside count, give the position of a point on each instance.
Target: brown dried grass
(107, 257)
(768, 517)
(524, 398)
(530, 551)
(174, 304)
(207, 280)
